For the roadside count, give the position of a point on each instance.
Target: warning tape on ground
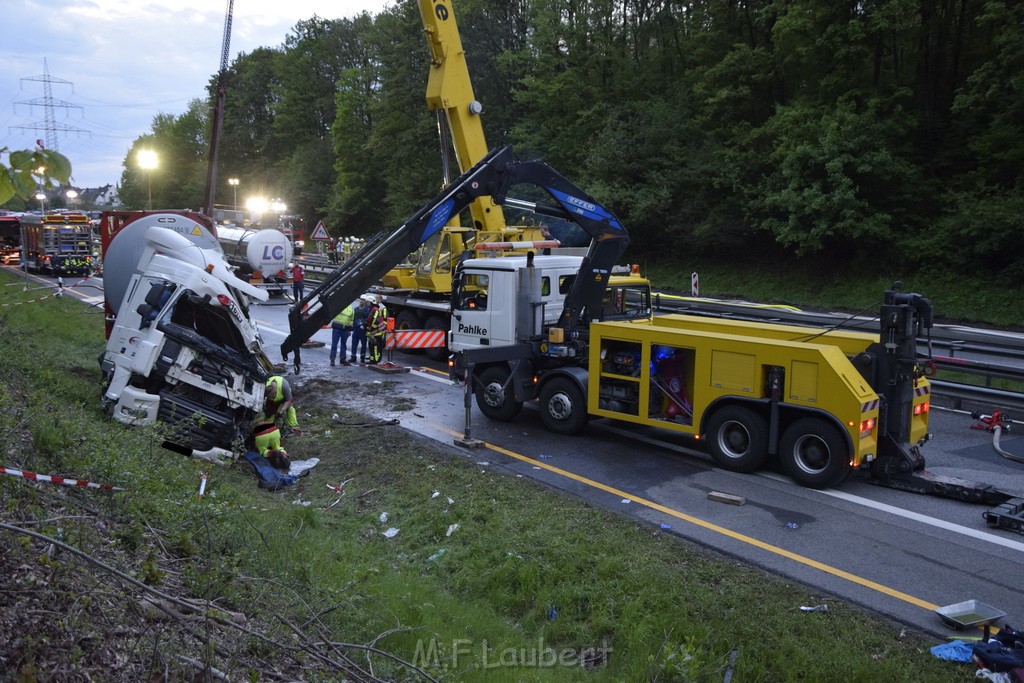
(417, 339)
(60, 480)
(59, 293)
(30, 301)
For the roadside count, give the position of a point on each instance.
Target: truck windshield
(209, 321)
(627, 301)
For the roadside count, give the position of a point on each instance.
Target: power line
(49, 124)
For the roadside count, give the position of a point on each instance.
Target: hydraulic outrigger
(904, 317)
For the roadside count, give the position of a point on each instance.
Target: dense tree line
(890, 131)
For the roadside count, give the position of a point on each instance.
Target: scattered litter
(438, 555)
(430, 467)
(390, 533)
(335, 416)
(792, 525)
(452, 528)
(383, 517)
(299, 468)
(544, 457)
(535, 467)
(377, 381)
(727, 678)
(626, 501)
(435, 494)
(417, 414)
(450, 500)
(666, 526)
(484, 463)
(202, 484)
(552, 613)
(816, 608)
(327, 433)
(303, 503)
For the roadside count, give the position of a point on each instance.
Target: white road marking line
(924, 519)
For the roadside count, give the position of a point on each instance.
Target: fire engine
(57, 243)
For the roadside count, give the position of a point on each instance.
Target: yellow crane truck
(417, 292)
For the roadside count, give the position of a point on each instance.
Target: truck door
(483, 312)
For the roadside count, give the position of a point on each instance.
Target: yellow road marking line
(743, 538)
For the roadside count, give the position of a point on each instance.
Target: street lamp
(147, 161)
(233, 182)
(42, 198)
(72, 195)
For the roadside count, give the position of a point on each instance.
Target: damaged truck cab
(182, 349)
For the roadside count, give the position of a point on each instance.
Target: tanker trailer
(262, 255)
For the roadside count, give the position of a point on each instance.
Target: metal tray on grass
(969, 613)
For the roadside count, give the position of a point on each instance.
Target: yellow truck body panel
(655, 372)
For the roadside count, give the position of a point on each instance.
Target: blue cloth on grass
(269, 477)
(955, 651)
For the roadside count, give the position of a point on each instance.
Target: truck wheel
(563, 408)
(494, 397)
(436, 322)
(737, 439)
(814, 454)
(407, 320)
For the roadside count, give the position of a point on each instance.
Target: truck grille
(193, 425)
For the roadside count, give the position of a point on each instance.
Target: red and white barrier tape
(60, 480)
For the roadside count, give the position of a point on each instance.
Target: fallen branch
(199, 666)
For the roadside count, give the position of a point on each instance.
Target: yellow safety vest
(346, 317)
(279, 395)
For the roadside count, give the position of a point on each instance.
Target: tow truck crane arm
(493, 176)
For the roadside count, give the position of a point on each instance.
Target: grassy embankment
(528, 569)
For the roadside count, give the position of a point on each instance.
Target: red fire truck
(57, 243)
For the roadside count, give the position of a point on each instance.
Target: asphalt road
(897, 553)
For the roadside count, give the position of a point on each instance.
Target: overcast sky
(126, 61)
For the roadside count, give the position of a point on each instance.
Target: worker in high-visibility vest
(267, 439)
(341, 328)
(278, 402)
(377, 328)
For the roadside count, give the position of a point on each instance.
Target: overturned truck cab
(182, 349)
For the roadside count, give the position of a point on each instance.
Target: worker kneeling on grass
(267, 438)
(278, 402)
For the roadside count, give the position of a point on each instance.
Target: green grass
(668, 611)
(835, 286)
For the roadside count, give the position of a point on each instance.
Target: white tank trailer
(266, 251)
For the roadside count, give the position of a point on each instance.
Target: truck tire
(737, 438)
(494, 397)
(436, 322)
(563, 408)
(814, 454)
(407, 320)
